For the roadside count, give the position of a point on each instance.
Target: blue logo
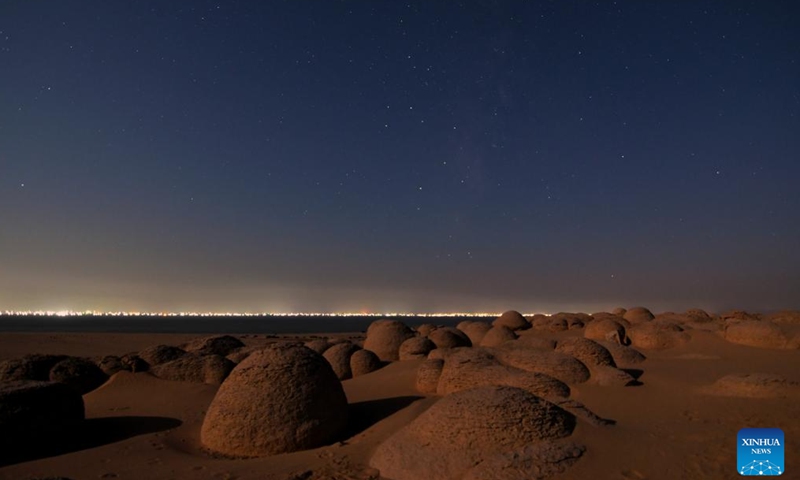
(760, 451)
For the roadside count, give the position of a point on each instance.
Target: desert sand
(622, 395)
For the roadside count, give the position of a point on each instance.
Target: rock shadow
(636, 373)
(365, 414)
(91, 433)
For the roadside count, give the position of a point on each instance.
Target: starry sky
(384, 156)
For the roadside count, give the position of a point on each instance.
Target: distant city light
(97, 313)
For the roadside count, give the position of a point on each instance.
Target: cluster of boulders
(204, 360)
(79, 374)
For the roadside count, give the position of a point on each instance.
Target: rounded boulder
(449, 337)
(513, 320)
(384, 338)
(339, 358)
(465, 428)
(281, 399)
(363, 362)
(416, 347)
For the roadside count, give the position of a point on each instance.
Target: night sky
(385, 156)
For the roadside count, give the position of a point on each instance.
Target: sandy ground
(667, 428)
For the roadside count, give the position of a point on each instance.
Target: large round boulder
(607, 376)
(566, 368)
(657, 335)
(339, 357)
(513, 320)
(624, 355)
(475, 330)
(319, 345)
(81, 374)
(466, 428)
(210, 369)
(757, 333)
(465, 368)
(426, 328)
(591, 353)
(281, 399)
(416, 347)
(606, 329)
(384, 338)
(498, 335)
(428, 376)
(449, 337)
(638, 315)
(363, 362)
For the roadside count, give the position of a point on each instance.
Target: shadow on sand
(636, 374)
(366, 414)
(91, 433)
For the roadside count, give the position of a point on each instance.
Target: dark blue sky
(420, 156)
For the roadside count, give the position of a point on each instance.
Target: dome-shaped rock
(498, 335)
(79, 373)
(449, 337)
(757, 333)
(428, 376)
(466, 428)
(588, 351)
(475, 330)
(566, 368)
(606, 329)
(624, 355)
(657, 335)
(319, 345)
(466, 368)
(281, 399)
(416, 347)
(339, 357)
(426, 328)
(363, 362)
(638, 315)
(607, 376)
(384, 338)
(513, 320)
